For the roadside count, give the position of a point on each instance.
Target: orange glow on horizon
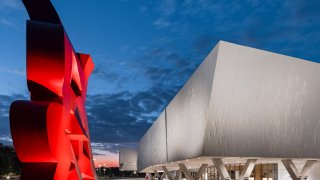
(107, 160)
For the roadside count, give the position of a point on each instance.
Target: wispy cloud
(109, 148)
(143, 9)
(161, 23)
(11, 4)
(126, 115)
(8, 13)
(5, 102)
(10, 70)
(6, 139)
(6, 22)
(167, 7)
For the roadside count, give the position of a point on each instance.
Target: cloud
(10, 4)
(204, 43)
(167, 7)
(143, 9)
(6, 139)
(287, 27)
(303, 11)
(110, 148)
(8, 13)
(6, 22)
(110, 77)
(124, 117)
(167, 68)
(5, 102)
(161, 66)
(161, 23)
(10, 70)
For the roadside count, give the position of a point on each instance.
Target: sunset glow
(110, 160)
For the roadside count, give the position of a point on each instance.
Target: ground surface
(102, 178)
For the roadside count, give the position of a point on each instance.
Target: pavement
(119, 178)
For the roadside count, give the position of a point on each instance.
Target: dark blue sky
(144, 51)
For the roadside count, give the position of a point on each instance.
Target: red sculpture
(50, 133)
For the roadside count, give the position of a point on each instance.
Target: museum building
(243, 114)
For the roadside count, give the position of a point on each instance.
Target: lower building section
(208, 168)
(260, 172)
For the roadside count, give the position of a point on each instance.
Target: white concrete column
(166, 172)
(291, 168)
(248, 168)
(293, 171)
(306, 168)
(185, 172)
(218, 163)
(156, 174)
(183, 169)
(200, 171)
(150, 175)
(178, 173)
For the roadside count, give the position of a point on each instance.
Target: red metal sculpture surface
(50, 133)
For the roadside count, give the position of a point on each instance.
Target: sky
(144, 51)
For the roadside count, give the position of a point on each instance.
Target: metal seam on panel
(166, 127)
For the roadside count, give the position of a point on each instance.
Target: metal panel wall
(152, 148)
(186, 113)
(144, 151)
(263, 105)
(158, 148)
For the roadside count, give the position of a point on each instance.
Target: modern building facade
(128, 159)
(244, 114)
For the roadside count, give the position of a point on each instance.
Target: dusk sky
(144, 51)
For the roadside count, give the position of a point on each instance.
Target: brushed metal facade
(263, 104)
(187, 112)
(240, 102)
(152, 147)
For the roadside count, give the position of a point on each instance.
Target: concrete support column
(150, 175)
(306, 168)
(245, 174)
(156, 174)
(293, 171)
(178, 173)
(291, 168)
(166, 172)
(185, 171)
(248, 168)
(218, 163)
(201, 170)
